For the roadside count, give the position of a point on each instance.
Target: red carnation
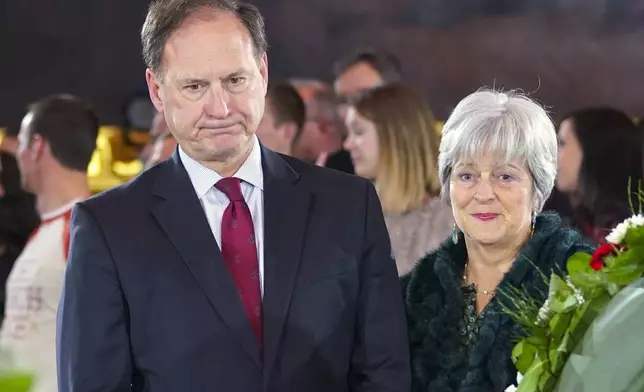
(597, 261)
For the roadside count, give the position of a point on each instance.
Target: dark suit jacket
(149, 302)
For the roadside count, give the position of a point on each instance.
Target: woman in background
(600, 149)
(393, 140)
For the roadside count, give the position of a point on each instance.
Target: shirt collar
(203, 178)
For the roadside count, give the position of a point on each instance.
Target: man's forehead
(214, 43)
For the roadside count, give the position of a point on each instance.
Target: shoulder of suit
(314, 173)
(128, 192)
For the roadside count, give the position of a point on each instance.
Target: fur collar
(434, 303)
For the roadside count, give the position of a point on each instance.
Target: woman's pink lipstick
(485, 217)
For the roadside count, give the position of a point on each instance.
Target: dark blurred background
(572, 53)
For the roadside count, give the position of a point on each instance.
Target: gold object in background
(114, 162)
(99, 172)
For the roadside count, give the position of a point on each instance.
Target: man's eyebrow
(235, 74)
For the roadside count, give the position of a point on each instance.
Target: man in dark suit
(228, 267)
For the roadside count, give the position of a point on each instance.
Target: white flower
(637, 220)
(544, 313)
(617, 235)
(513, 388)
(579, 296)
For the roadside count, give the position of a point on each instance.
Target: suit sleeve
(380, 361)
(92, 339)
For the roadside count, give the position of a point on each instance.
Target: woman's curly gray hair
(509, 124)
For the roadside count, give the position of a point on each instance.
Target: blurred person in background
(354, 74)
(600, 150)
(392, 141)
(163, 147)
(283, 118)
(364, 70)
(158, 134)
(323, 131)
(55, 145)
(18, 219)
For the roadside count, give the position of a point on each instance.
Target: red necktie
(240, 252)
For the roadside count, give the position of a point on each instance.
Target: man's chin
(224, 152)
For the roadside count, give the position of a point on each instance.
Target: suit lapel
(180, 214)
(286, 212)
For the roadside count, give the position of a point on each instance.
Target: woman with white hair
(497, 166)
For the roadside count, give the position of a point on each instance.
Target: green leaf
(531, 378)
(563, 303)
(539, 339)
(626, 274)
(558, 326)
(583, 317)
(560, 354)
(629, 258)
(547, 382)
(558, 286)
(578, 315)
(561, 296)
(612, 288)
(523, 355)
(582, 276)
(634, 236)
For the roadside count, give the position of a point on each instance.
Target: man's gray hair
(505, 123)
(165, 16)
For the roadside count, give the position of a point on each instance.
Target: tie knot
(231, 187)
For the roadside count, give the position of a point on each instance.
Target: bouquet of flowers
(556, 329)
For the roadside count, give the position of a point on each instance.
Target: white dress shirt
(214, 201)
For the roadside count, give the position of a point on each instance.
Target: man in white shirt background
(55, 145)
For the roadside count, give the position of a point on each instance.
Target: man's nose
(217, 105)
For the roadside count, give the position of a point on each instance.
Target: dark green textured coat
(435, 306)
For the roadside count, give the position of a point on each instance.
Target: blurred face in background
(355, 79)
(162, 149)
(569, 158)
(277, 137)
(362, 143)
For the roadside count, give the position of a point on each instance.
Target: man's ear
(263, 70)
(38, 147)
(154, 88)
(289, 130)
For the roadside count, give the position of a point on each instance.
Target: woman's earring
(534, 222)
(455, 234)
